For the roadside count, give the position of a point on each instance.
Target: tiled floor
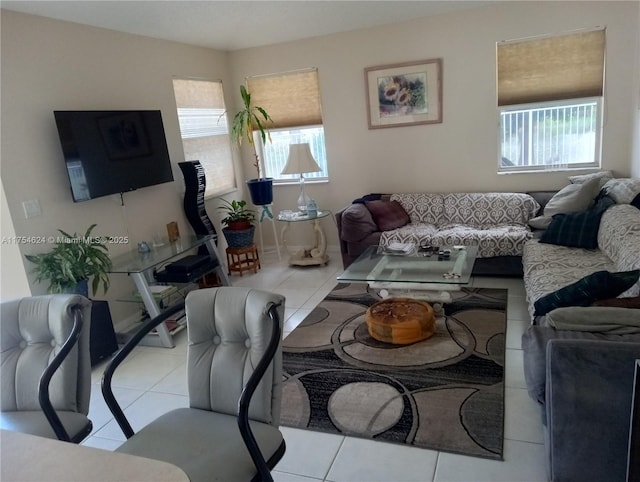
(152, 381)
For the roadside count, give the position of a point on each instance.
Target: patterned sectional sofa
(583, 377)
(495, 222)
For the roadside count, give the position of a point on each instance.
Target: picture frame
(404, 94)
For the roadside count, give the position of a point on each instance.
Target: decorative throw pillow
(636, 201)
(570, 199)
(596, 286)
(387, 214)
(577, 230)
(602, 176)
(623, 191)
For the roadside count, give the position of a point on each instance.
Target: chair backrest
(229, 330)
(32, 331)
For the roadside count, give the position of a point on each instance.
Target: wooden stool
(243, 259)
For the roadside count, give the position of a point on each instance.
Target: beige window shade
(205, 132)
(551, 68)
(291, 99)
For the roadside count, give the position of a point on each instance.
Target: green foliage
(236, 211)
(72, 259)
(246, 121)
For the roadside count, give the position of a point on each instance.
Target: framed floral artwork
(404, 94)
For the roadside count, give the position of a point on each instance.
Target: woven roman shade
(292, 99)
(204, 131)
(551, 68)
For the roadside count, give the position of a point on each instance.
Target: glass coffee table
(412, 272)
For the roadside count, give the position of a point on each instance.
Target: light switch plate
(31, 208)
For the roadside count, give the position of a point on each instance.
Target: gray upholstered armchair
(234, 372)
(46, 370)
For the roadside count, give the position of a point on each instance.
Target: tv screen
(111, 152)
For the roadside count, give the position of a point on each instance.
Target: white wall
(48, 65)
(13, 279)
(635, 121)
(461, 153)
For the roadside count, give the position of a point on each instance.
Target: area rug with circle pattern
(444, 393)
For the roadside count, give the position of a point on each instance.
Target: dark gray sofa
(583, 378)
(584, 383)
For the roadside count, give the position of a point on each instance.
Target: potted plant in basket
(238, 222)
(247, 121)
(72, 261)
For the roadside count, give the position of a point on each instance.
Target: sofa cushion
(619, 239)
(416, 233)
(488, 209)
(596, 286)
(595, 319)
(494, 241)
(570, 199)
(578, 230)
(534, 346)
(387, 214)
(357, 223)
(549, 267)
(427, 208)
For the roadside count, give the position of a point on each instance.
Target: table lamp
(301, 161)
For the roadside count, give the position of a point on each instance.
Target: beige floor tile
(360, 459)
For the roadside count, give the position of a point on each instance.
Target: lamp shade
(300, 160)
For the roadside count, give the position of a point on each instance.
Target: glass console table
(142, 267)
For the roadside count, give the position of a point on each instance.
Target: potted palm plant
(238, 222)
(72, 262)
(247, 121)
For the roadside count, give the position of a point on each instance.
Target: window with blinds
(549, 94)
(205, 132)
(292, 99)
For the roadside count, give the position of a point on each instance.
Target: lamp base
(303, 200)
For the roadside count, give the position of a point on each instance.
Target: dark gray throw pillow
(596, 286)
(577, 230)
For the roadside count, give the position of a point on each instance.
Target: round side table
(317, 254)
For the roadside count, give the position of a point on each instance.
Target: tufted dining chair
(230, 431)
(46, 367)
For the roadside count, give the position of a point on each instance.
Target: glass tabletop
(378, 264)
(299, 216)
(134, 261)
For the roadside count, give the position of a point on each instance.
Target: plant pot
(239, 238)
(261, 191)
(81, 288)
(238, 225)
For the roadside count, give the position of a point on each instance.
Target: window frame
(597, 154)
(289, 181)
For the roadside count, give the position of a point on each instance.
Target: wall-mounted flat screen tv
(111, 152)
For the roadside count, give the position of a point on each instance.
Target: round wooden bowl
(400, 321)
